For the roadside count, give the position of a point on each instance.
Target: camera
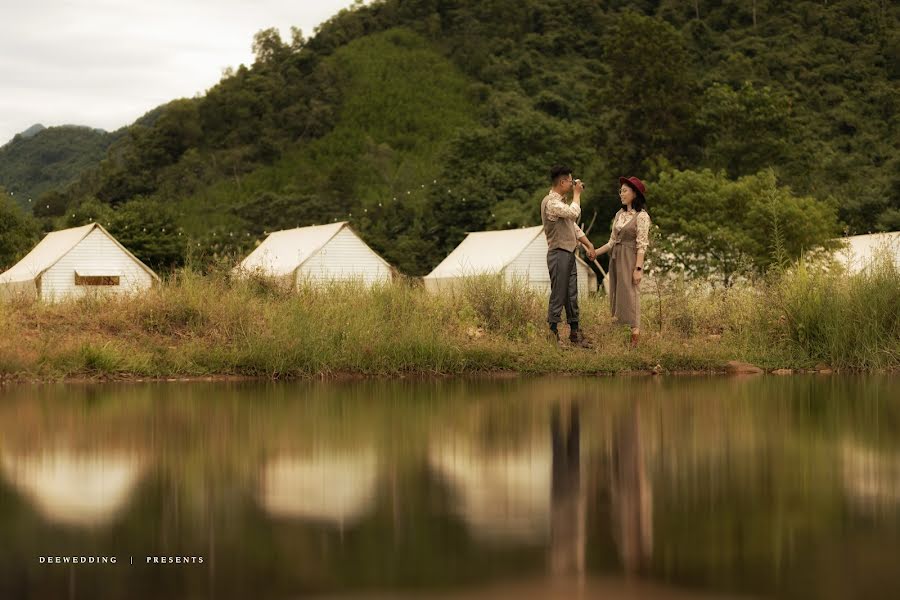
(577, 181)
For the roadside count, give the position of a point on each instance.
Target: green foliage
(52, 204)
(647, 100)
(746, 129)
(503, 169)
(18, 231)
(97, 359)
(150, 230)
(400, 104)
(33, 165)
(132, 165)
(845, 320)
(89, 211)
(500, 306)
(712, 226)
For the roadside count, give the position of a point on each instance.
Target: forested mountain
(418, 120)
(33, 130)
(39, 159)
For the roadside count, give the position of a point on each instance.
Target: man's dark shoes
(577, 339)
(553, 337)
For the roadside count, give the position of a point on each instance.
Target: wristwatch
(638, 269)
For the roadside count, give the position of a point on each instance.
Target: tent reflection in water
(502, 494)
(75, 488)
(326, 486)
(870, 477)
(318, 254)
(518, 255)
(76, 262)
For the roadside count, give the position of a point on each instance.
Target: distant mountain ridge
(32, 131)
(39, 127)
(41, 159)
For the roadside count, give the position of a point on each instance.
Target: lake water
(640, 487)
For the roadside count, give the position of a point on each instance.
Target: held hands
(591, 254)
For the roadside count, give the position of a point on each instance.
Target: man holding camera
(563, 236)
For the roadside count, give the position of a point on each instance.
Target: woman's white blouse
(623, 218)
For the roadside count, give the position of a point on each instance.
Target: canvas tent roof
(284, 251)
(485, 252)
(52, 248)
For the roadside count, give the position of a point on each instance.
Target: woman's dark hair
(639, 203)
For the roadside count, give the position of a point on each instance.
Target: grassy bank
(196, 325)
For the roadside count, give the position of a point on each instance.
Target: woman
(627, 245)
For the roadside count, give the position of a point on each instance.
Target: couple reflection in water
(623, 473)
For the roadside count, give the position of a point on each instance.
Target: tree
(645, 107)
(18, 231)
(51, 204)
(712, 226)
(505, 166)
(150, 230)
(292, 208)
(746, 129)
(89, 210)
(268, 47)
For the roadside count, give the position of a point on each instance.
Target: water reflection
(502, 494)
(652, 488)
(332, 487)
(871, 478)
(567, 531)
(631, 492)
(74, 488)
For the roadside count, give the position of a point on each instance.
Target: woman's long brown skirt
(624, 296)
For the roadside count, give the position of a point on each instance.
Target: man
(563, 236)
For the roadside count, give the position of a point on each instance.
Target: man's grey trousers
(563, 285)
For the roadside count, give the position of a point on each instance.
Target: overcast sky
(104, 63)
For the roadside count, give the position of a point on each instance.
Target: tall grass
(846, 320)
(195, 324)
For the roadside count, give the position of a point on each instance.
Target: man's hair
(559, 171)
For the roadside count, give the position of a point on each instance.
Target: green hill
(418, 120)
(33, 130)
(42, 159)
(398, 103)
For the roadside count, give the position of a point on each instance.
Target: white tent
(859, 250)
(316, 253)
(516, 254)
(73, 262)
